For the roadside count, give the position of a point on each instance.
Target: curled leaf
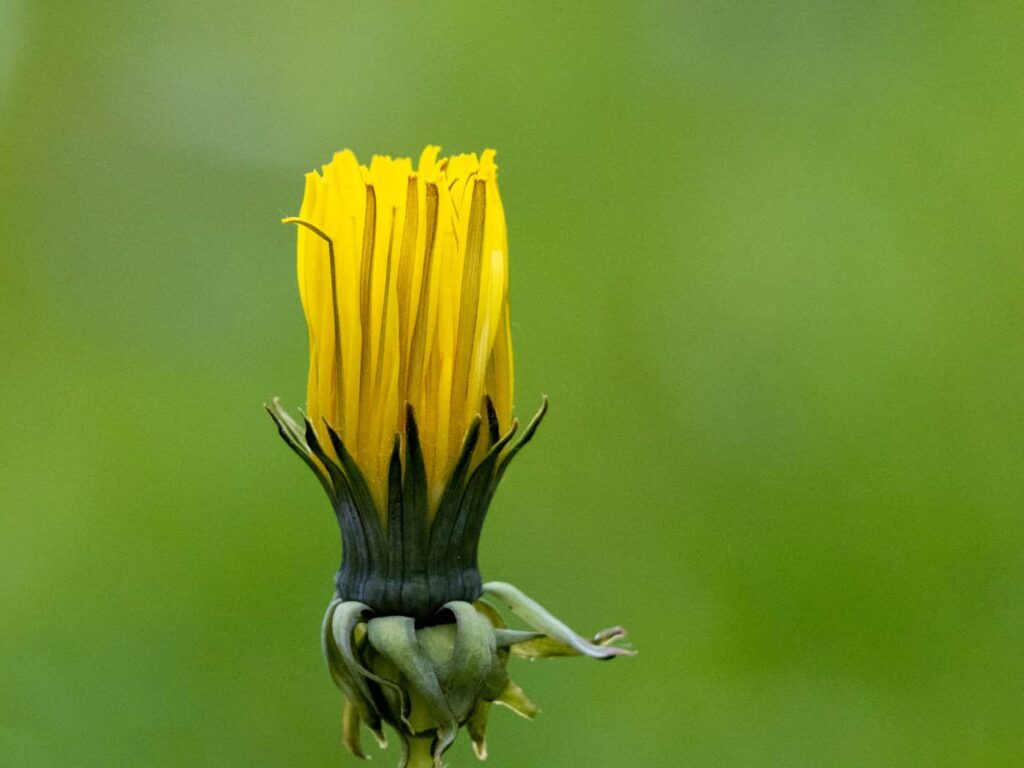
(538, 617)
(394, 637)
(336, 638)
(471, 659)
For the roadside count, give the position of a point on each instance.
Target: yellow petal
(412, 308)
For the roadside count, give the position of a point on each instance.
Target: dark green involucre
(408, 637)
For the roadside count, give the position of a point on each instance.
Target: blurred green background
(766, 262)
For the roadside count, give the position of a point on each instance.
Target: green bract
(426, 681)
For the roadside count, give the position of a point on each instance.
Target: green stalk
(419, 755)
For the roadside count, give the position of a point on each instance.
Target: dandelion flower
(410, 426)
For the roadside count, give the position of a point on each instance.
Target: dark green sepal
(531, 430)
(464, 538)
(363, 551)
(371, 587)
(493, 425)
(359, 488)
(355, 559)
(396, 528)
(415, 596)
(293, 437)
(445, 584)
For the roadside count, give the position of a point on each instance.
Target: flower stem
(419, 754)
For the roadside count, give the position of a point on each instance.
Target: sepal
(294, 437)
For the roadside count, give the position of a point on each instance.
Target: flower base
(427, 681)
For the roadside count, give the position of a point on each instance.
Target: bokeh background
(766, 262)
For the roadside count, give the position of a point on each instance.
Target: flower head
(403, 276)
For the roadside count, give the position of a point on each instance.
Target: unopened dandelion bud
(409, 427)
